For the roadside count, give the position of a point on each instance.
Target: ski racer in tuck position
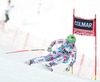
(63, 53)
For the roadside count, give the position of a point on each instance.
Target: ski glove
(49, 49)
(68, 68)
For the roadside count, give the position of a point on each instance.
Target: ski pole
(25, 51)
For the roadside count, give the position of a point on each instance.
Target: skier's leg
(49, 57)
(52, 55)
(36, 60)
(56, 61)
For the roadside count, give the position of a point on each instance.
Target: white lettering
(83, 24)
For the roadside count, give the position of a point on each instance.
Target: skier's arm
(73, 60)
(57, 42)
(53, 43)
(73, 56)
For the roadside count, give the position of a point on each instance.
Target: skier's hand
(68, 68)
(49, 49)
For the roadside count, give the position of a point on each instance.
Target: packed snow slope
(35, 24)
(14, 70)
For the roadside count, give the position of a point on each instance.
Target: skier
(9, 7)
(63, 53)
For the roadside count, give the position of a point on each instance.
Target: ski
(47, 67)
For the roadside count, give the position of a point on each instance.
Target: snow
(34, 24)
(15, 71)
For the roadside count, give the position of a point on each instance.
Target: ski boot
(29, 62)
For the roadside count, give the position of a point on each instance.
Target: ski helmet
(71, 38)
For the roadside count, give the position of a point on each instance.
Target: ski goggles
(70, 43)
